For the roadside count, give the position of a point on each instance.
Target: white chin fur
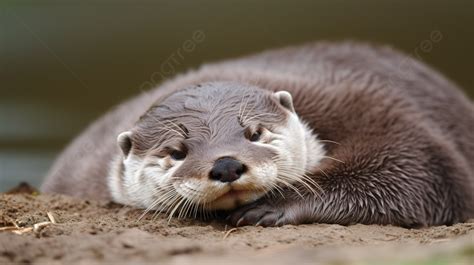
(138, 184)
(215, 195)
(300, 147)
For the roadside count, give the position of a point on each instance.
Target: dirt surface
(86, 232)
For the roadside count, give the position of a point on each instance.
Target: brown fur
(404, 137)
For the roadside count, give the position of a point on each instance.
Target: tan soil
(89, 232)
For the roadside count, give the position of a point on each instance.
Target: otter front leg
(341, 205)
(338, 206)
(362, 199)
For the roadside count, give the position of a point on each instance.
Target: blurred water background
(63, 63)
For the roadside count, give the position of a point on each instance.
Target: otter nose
(227, 169)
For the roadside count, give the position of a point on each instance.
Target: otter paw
(258, 214)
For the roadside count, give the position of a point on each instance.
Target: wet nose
(227, 169)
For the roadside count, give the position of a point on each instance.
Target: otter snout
(227, 169)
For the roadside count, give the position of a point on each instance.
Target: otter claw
(239, 221)
(258, 215)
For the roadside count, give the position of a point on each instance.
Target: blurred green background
(63, 63)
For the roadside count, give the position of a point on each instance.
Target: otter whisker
(184, 133)
(311, 184)
(302, 180)
(204, 212)
(312, 181)
(324, 173)
(168, 202)
(267, 188)
(169, 128)
(272, 187)
(285, 182)
(329, 141)
(248, 112)
(183, 210)
(244, 109)
(171, 202)
(292, 179)
(246, 121)
(202, 206)
(191, 205)
(178, 205)
(241, 105)
(302, 177)
(168, 189)
(164, 202)
(335, 159)
(196, 208)
(292, 174)
(154, 204)
(279, 190)
(189, 201)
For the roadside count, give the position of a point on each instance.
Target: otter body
(334, 133)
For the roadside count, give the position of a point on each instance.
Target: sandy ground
(87, 232)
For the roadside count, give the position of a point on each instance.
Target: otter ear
(285, 99)
(125, 142)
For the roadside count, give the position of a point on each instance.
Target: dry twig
(229, 232)
(39, 226)
(22, 231)
(51, 217)
(8, 228)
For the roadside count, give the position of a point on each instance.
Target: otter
(324, 132)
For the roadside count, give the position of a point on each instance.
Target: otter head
(214, 146)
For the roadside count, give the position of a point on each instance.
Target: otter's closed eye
(255, 136)
(178, 155)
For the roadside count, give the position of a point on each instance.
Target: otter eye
(178, 155)
(255, 137)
